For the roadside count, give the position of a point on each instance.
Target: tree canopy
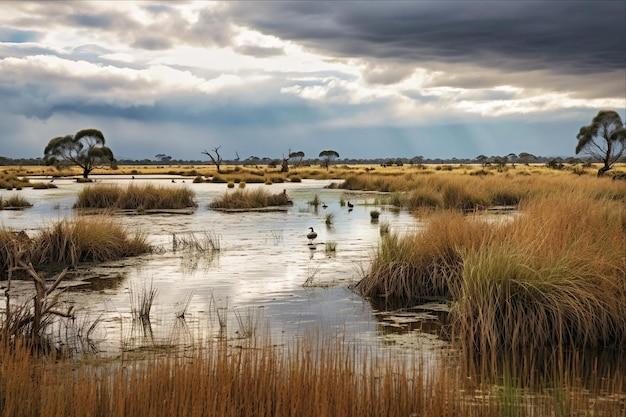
(87, 149)
(328, 155)
(603, 140)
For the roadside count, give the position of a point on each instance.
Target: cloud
(369, 79)
(578, 38)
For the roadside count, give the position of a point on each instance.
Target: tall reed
(320, 379)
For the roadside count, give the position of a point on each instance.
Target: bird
(173, 181)
(324, 206)
(132, 177)
(311, 235)
(350, 205)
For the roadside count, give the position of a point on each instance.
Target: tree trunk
(604, 169)
(86, 172)
(285, 166)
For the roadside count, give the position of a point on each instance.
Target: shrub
(230, 184)
(374, 214)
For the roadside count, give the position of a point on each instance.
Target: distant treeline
(480, 159)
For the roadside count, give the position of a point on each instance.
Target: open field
(254, 173)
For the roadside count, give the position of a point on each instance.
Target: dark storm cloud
(566, 36)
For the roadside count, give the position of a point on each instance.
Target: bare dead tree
(22, 320)
(215, 156)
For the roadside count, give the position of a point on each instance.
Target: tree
(512, 157)
(86, 149)
(215, 156)
(482, 159)
(417, 160)
(328, 156)
(166, 159)
(526, 158)
(500, 161)
(604, 139)
(298, 156)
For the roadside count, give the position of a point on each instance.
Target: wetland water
(258, 275)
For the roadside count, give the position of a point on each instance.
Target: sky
(368, 79)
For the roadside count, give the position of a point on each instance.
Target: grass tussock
(68, 243)
(554, 275)
(250, 199)
(407, 269)
(14, 202)
(299, 380)
(10, 181)
(86, 239)
(135, 197)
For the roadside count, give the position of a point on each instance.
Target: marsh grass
(85, 239)
(329, 219)
(198, 242)
(466, 192)
(10, 181)
(408, 269)
(305, 379)
(384, 228)
(135, 197)
(553, 275)
(14, 202)
(250, 199)
(315, 201)
(141, 301)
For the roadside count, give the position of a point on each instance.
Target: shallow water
(257, 279)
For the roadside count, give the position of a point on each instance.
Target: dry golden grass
(466, 192)
(250, 199)
(14, 202)
(135, 197)
(70, 242)
(301, 381)
(85, 239)
(556, 274)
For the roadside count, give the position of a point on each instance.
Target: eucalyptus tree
(482, 160)
(297, 156)
(86, 149)
(526, 158)
(603, 140)
(328, 156)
